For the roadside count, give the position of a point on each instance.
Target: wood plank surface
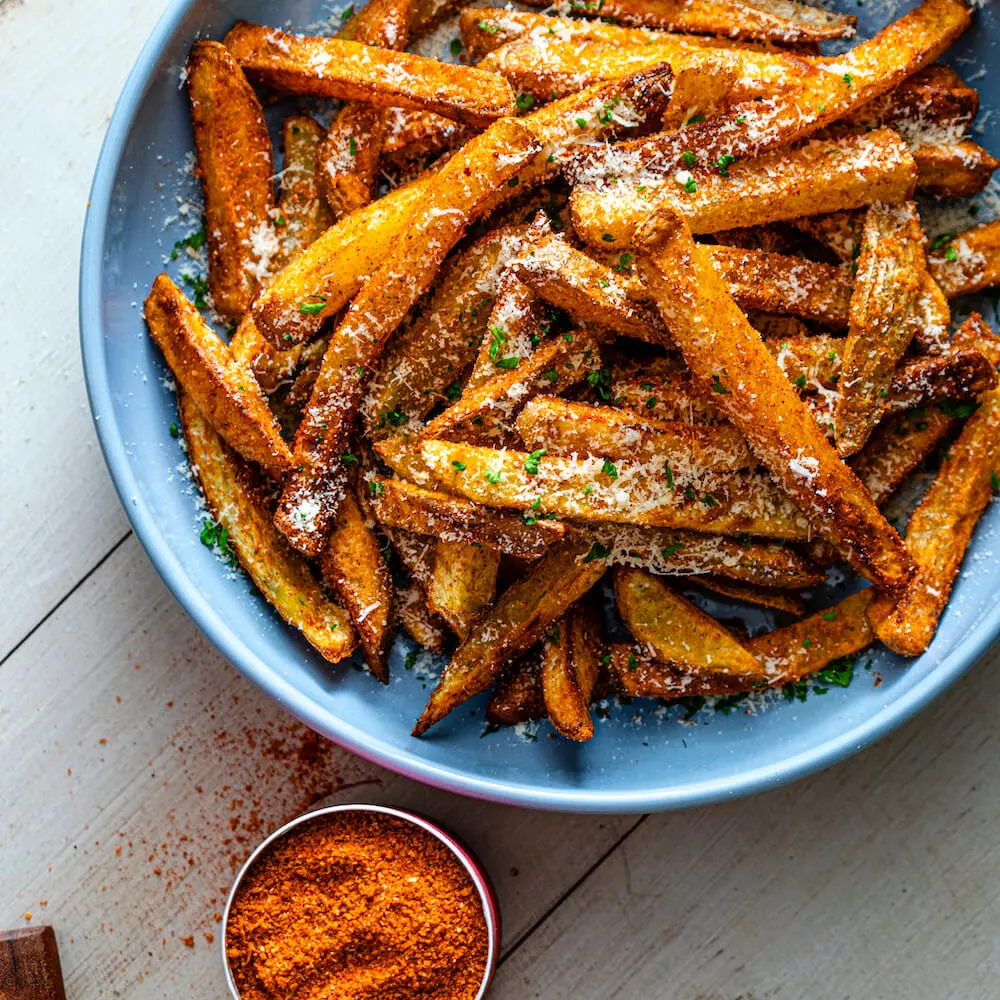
(142, 769)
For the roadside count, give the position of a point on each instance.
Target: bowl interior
(644, 756)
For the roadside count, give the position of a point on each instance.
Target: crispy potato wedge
(438, 223)
(518, 695)
(825, 176)
(675, 631)
(808, 361)
(775, 283)
(967, 262)
(752, 593)
(302, 210)
(716, 339)
(277, 571)
(517, 619)
(463, 581)
(636, 674)
(420, 625)
(565, 428)
(356, 572)
(687, 553)
(700, 91)
(839, 232)
(222, 388)
(352, 71)
(571, 663)
(959, 373)
(270, 367)
(627, 492)
(236, 170)
(939, 530)
(765, 20)
(413, 138)
(491, 409)
(933, 319)
(956, 170)
(586, 289)
(427, 359)
(403, 505)
(891, 270)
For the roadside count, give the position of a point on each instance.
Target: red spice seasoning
(357, 905)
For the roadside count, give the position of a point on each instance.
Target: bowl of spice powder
(356, 902)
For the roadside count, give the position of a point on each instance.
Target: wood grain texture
(29, 965)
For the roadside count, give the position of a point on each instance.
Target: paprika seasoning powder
(356, 904)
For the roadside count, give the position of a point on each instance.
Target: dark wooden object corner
(29, 965)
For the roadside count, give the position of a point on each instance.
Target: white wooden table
(138, 767)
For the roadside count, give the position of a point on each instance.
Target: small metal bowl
(487, 894)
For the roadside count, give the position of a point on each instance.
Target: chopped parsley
(940, 242)
(375, 488)
(609, 469)
(670, 475)
(724, 162)
(994, 480)
(690, 186)
(581, 123)
(525, 102)
(670, 550)
(624, 263)
(958, 408)
(490, 29)
(491, 476)
(800, 382)
(313, 305)
(688, 158)
(597, 551)
(717, 385)
(175, 432)
(458, 466)
(454, 391)
(607, 237)
(194, 240)
(352, 146)
(349, 459)
(455, 46)
(600, 382)
(830, 616)
(531, 462)
(214, 536)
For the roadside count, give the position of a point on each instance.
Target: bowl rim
(475, 870)
(450, 777)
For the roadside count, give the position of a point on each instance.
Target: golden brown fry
(332, 67)
(587, 290)
(821, 176)
(939, 530)
(277, 571)
(491, 409)
(354, 568)
(675, 631)
(270, 367)
(775, 283)
(890, 274)
(565, 428)
(967, 262)
(956, 170)
(717, 341)
(414, 137)
(426, 361)
(591, 490)
(959, 373)
(839, 232)
(518, 695)
(700, 91)
(933, 317)
(511, 626)
(302, 211)
(752, 593)
(462, 583)
(767, 20)
(236, 169)
(810, 360)
(570, 667)
(355, 348)
(403, 505)
(222, 388)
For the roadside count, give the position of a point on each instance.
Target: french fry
(629, 493)
(839, 232)
(674, 631)
(356, 572)
(403, 505)
(808, 361)
(511, 626)
(222, 388)
(959, 373)
(570, 667)
(353, 144)
(302, 210)
(821, 176)
(270, 367)
(277, 571)
(766, 20)
(425, 362)
(933, 319)
(566, 428)
(717, 340)
(967, 262)
(518, 695)
(421, 626)
(752, 593)
(636, 674)
(332, 67)
(236, 169)
(700, 91)
(891, 270)
(587, 290)
(414, 137)
(462, 583)
(939, 530)
(956, 170)
(438, 223)
(491, 409)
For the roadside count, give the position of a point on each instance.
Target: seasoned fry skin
(967, 262)
(462, 584)
(518, 695)
(752, 593)
(236, 170)
(821, 176)
(302, 210)
(278, 572)
(511, 626)
(570, 667)
(675, 631)
(332, 67)
(222, 388)
(356, 346)
(717, 340)
(354, 568)
(958, 170)
(891, 270)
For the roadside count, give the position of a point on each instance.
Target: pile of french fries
(641, 291)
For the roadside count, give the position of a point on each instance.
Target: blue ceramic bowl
(643, 757)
